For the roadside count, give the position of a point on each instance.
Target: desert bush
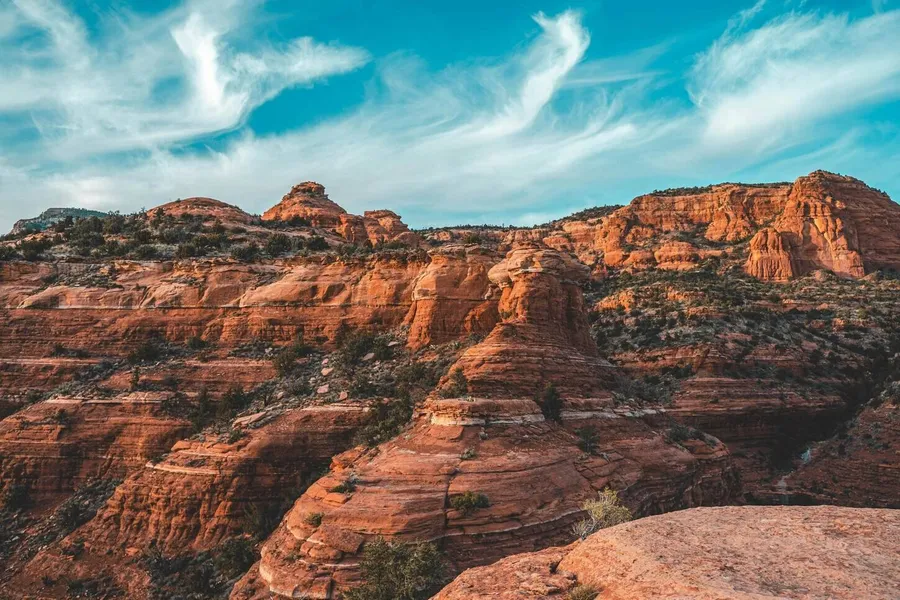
(468, 502)
(278, 244)
(385, 422)
(16, 496)
(245, 253)
(456, 386)
(233, 401)
(234, 556)
(587, 438)
(550, 402)
(149, 351)
(316, 243)
(582, 592)
(285, 360)
(604, 512)
(347, 486)
(353, 346)
(399, 571)
(313, 519)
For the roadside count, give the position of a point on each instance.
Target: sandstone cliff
(710, 554)
(495, 440)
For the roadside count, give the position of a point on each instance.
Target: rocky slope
(821, 221)
(488, 436)
(710, 553)
(180, 352)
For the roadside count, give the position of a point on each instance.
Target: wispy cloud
(530, 135)
(760, 86)
(150, 82)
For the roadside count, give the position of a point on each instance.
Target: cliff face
(643, 322)
(710, 553)
(308, 201)
(821, 221)
(452, 297)
(543, 336)
(124, 304)
(201, 494)
(857, 467)
(496, 442)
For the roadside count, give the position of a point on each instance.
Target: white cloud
(98, 97)
(527, 137)
(756, 88)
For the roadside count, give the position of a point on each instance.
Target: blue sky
(503, 112)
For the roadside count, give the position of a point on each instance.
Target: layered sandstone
(202, 493)
(217, 300)
(543, 336)
(452, 296)
(829, 222)
(710, 554)
(821, 221)
(533, 473)
(54, 446)
(309, 202)
(857, 467)
(496, 441)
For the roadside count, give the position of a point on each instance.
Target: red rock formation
(57, 445)
(821, 221)
(308, 201)
(543, 336)
(452, 297)
(710, 554)
(497, 443)
(207, 208)
(224, 303)
(533, 472)
(859, 467)
(201, 493)
(829, 222)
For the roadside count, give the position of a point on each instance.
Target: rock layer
(710, 554)
(533, 473)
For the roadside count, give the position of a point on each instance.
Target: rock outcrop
(730, 553)
(821, 221)
(308, 202)
(452, 297)
(200, 494)
(50, 448)
(543, 336)
(206, 209)
(857, 467)
(495, 440)
(829, 222)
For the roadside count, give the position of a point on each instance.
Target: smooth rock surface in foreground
(711, 553)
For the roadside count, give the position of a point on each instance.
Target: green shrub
(245, 253)
(469, 502)
(234, 557)
(313, 519)
(15, 497)
(385, 422)
(317, 243)
(278, 244)
(149, 351)
(399, 571)
(457, 385)
(285, 360)
(347, 486)
(582, 592)
(550, 402)
(233, 401)
(353, 346)
(587, 438)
